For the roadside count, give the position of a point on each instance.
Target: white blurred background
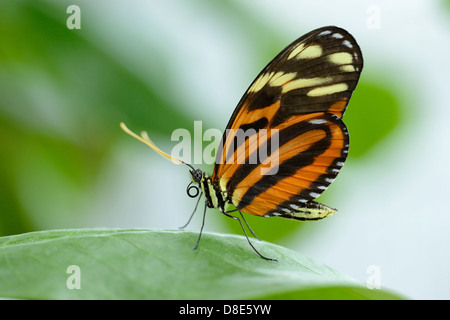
(392, 198)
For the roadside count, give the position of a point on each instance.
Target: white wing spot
(347, 44)
(339, 163)
(337, 36)
(329, 180)
(314, 194)
(324, 33)
(317, 121)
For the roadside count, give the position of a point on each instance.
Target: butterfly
(285, 142)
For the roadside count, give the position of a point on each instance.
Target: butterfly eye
(196, 175)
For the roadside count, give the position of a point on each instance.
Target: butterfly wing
(299, 98)
(311, 151)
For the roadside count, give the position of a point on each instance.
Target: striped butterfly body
(293, 113)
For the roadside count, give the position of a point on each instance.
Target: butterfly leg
(195, 209)
(201, 229)
(246, 223)
(245, 233)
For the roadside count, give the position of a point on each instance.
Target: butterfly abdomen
(309, 211)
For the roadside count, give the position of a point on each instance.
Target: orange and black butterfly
(285, 142)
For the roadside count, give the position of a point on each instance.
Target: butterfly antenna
(145, 139)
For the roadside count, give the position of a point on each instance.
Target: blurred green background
(160, 65)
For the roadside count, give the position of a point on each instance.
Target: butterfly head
(196, 175)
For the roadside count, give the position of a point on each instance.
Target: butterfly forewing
(317, 72)
(303, 94)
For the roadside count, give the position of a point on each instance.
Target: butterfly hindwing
(311, 152)
(302, 93)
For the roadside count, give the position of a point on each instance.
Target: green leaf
(149, 264)
(446, 5)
